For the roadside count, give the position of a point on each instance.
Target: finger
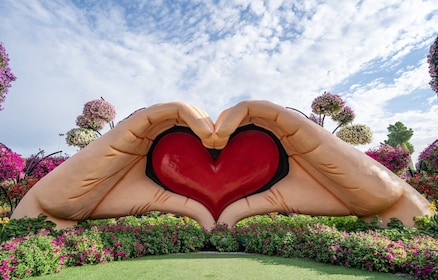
(297, 193)
(137, 194)
(345, 171)
(170, 114)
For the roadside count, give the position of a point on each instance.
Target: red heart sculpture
(247, 163)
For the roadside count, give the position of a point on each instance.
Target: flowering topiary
(327, 104)
(11, 164)
(90, 122)
(96, 113)
(428, 159)
(356, 134)
(345, 115)
(6, 76)
(395, 159)
(80, 137)
(432, 59)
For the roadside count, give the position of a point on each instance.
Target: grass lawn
(206, 265)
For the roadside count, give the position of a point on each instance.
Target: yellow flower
(4, 221)
(4, 210)
(432, 207)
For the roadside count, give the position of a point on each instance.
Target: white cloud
(212, 56)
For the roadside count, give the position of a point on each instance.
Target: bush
(395, 159)
(425, 184)
(332, 240)
(33, 255)
(22, 227)
(428, 159)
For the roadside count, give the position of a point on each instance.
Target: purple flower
(6, 76)
(327, 104)
(432, 59)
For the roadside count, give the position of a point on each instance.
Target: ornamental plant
(327, 104)
(17, 190)
(80, 137)
(426, 184)
(432, 59)
(6, 76)
(11, 164)
(395, 159)
(428, 159)
(332, 105)
(95, 115)
(38, 165)
(395, 250)
(356, 134)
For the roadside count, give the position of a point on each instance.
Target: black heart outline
(283, 164)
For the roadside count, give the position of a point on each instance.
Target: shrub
(428, 159)
(33, 255)
(425, 184)
(11, 164)
(21, 227)
(38, 168)
(395, 159)
(398, 249)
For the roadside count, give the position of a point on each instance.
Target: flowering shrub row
(397, 249)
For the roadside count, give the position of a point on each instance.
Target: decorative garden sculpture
(257, 158)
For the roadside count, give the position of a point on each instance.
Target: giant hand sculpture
(324, 176)
(327, 176)
(107, 178)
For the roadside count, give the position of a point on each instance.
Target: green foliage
(428, 224)
(346, 223)
(426, 184)
(25, 226)
(399, 134)
(347, 241)
(33, 255)
(223, 239)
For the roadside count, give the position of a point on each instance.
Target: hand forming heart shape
(326, 176)
(250, 163)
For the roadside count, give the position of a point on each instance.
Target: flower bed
(345, 241)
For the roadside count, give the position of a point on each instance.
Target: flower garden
(33, 247)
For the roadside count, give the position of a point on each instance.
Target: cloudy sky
(213, 54)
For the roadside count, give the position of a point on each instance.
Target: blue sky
(213, 54)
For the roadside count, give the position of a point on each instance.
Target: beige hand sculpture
(327, 176)
(107, 178)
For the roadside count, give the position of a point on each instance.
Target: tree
(6, 76)
(399, 134)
